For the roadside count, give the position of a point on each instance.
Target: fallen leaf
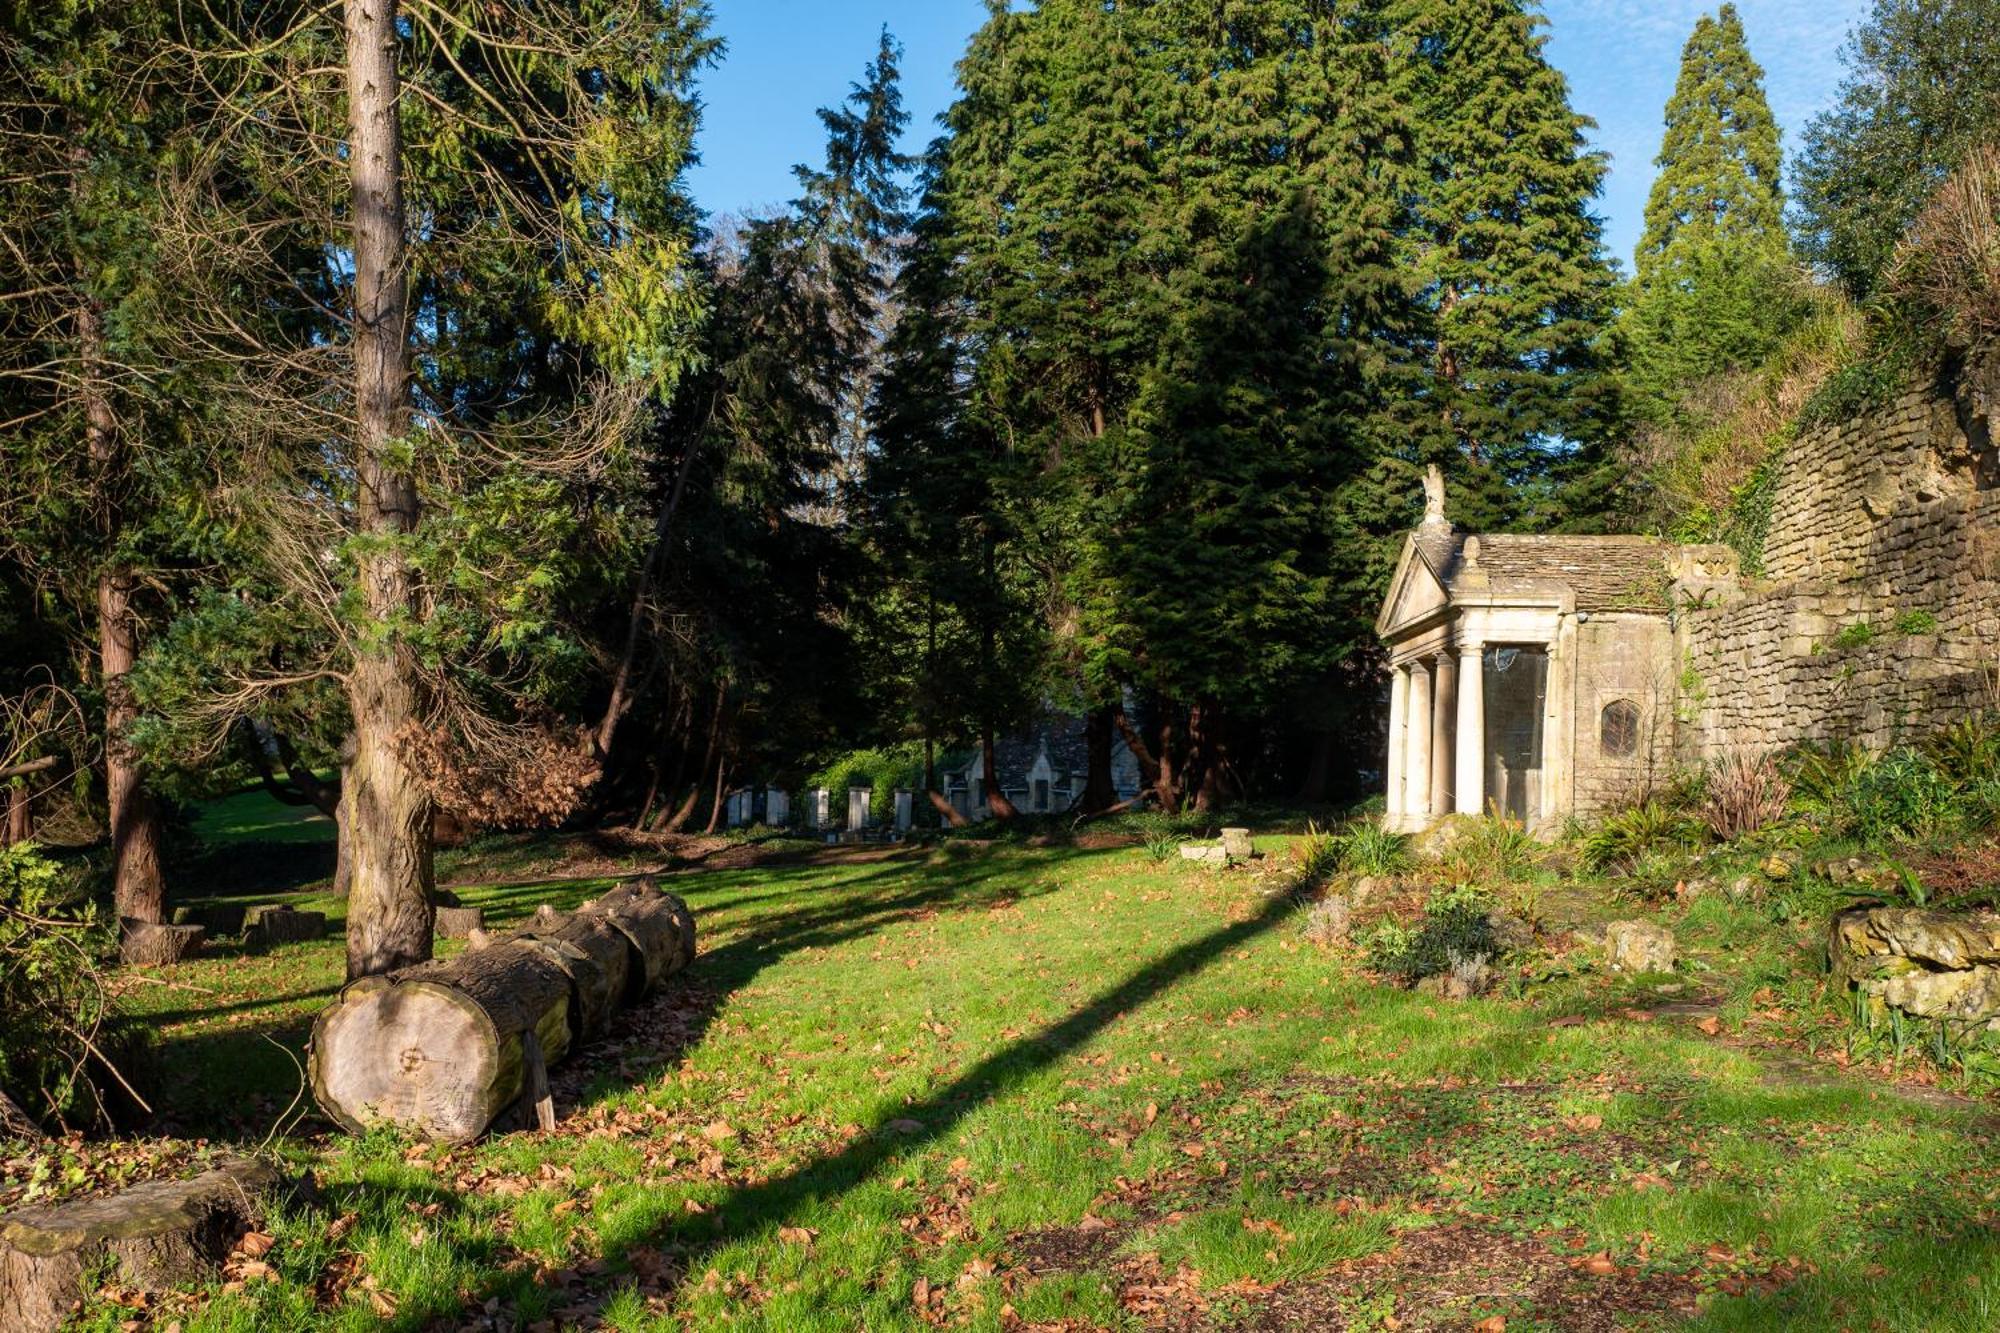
(1711, 1025)
(1493, 1324)
(796, 1235)
(715, 1131)
(256, 1244)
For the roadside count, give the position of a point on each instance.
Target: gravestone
(822, 808)
(777, 807)
(857, 808)
(906, 809)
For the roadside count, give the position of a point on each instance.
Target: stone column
(1417, 753)
(1399, 702)
(1444, 700)
(1471, 765)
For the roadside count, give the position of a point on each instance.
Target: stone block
(1639, 946)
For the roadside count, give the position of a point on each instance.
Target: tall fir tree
(1510, 382)
(1713, 267)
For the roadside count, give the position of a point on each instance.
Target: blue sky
(788, 57)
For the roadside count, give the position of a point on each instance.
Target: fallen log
(442, 1048)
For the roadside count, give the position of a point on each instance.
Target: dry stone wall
(1878, 613)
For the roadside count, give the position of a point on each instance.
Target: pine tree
(1713, 265)
(1507, 259)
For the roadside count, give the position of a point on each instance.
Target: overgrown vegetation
(1455, 933)
(53, 1068)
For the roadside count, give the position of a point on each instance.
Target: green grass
(1079, 1085)
(254, 816)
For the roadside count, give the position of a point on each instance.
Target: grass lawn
(1008, 1087)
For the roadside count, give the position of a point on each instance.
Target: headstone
(822, 807)
(1236, 842)
(857, 808)
(777, 807)
(906, 809)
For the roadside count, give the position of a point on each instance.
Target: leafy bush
(1900, 796)
(1916, 622)
(1821, 775)
(883, 771)
(1742, 795)
(1858, 635)
(1456, 929)
(50, 992)
(1622, 840)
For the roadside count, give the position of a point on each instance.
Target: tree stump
(458, 923)
(269, 926)
(147, 943)
(440, 1048)
(153, 1235)
(216, 918)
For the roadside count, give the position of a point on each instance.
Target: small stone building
(1530, 676)
(1544, 676)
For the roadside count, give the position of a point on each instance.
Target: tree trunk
(139, 886)
(1168, 783)
(1099, 793)
(1319, 770)
(997, 804)
(1208, 755)
(622, 693)
(20, 816)
(678, 820)
(385, 808)
(438, 1048)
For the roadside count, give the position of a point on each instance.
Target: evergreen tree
(96, 452)
(1507, 261)
(1923, 88)
(1713, 265)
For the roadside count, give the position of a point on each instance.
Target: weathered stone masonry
(1888, 522)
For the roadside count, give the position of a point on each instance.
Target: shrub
(51, 993)
(1487, 848)
(1899, 797)
(1948, 270)
(1968, 752)
(1456, 930)
(1821, 775)
(1742, 795)
(1371, 849)
(1621, 840)
(883, 771)
(1317, 853)
(1858, 635)
(1916, 622)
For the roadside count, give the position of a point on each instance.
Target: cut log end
(147, 943)
(459, 923)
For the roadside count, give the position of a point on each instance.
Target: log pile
(443, 1048)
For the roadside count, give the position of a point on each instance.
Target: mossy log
(151, 1236)
(439, 1048)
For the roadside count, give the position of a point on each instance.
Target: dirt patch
(1447, 1276)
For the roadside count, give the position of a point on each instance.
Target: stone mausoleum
(1543, 676)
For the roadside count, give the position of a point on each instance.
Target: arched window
(1618, 729)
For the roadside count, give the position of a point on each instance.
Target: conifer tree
(1713, 264)
(1506, 255)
